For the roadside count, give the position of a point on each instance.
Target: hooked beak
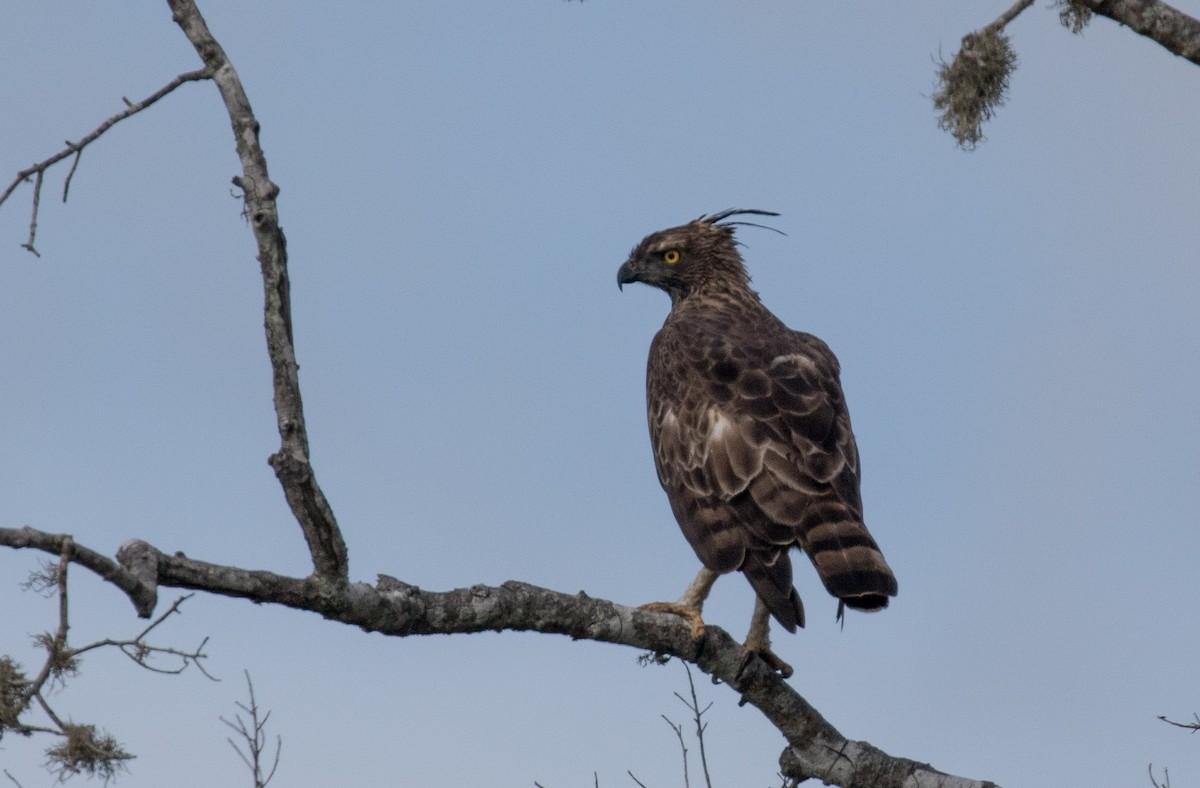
(626, 274)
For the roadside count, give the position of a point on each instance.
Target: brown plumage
(751, 434)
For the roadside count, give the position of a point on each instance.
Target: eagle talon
(689, 614)
(766, 655)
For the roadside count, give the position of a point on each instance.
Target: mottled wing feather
(753, 445)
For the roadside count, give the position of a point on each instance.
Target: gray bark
(392, 607)
(1170, 27)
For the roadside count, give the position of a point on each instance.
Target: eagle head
(684, 259)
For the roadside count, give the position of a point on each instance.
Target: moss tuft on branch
(974, 84)
(1073, 14)
(86, 750)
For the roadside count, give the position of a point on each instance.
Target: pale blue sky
(1017, 326)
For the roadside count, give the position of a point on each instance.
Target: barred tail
(846, 557)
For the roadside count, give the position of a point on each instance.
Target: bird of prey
(751, 437)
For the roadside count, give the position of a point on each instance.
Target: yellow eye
(671, 257)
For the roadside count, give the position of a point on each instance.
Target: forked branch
(38, 171)
(292, 465)
(78, 748)
(252, 735)
(392, 607)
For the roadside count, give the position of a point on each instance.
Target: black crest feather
(718, 217)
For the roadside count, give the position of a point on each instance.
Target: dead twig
(79, 748)
(697, 713)
(138, 650)
(1191, 726)
(37, 199)
(678, 728)
(254, 736)
(37, 171)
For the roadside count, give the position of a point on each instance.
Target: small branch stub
(141, 561)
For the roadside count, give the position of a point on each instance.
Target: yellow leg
(758, 642)
(691, 603)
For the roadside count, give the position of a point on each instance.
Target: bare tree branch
(59, 661)
(37, 200)
(1191, 726)
(291, 463)
(79, 748)
(678, 729)
(254, 737)
(697, 717)
(1174, 30)
(38, 170)
(143, 597)
(141, 652)
(392, 607)
(1012, 13)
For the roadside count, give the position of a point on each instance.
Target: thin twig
(38, 170)
(682, 746)
(64, 563)
(636, 780)
(37, 199)
(255, 738)
(55, 645)
(697, 713)
(50, 713)
(139, 651)
(71, 172)
(62, 661)
(75, 147)
(1011, 14)
(1191, 726)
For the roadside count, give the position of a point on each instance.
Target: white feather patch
(720, 426)
(792, 358)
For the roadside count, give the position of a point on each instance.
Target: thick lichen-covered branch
(1164, 24)
(392, 607)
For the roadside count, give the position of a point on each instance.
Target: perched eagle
(751, 436)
